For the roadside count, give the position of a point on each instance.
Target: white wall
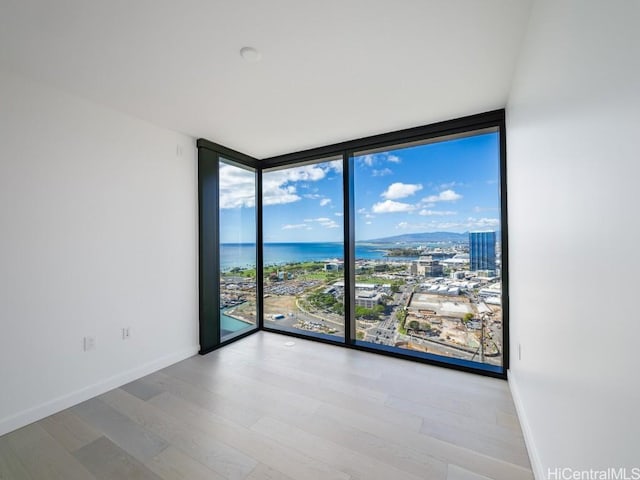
(573, 129)
(98, 219)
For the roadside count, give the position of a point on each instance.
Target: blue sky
(446, 186)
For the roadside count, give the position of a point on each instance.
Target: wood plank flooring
(263, 409)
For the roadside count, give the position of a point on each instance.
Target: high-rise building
(426, 266)
(482, 250)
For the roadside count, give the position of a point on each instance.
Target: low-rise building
(493, 290)
(368, 298)
(333, 266)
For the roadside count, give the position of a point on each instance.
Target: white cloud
(296, 226)
(322, 221)
(382, 172)
(465, 225)
(478, 209)
(325, 202)
(401, 190)
(422, 227)
(309, 173)
(237, 187)
(338, 214)
(335, 165)
(276, 195)
(389, 206)
(377, 158)
(448, 185)
(368, 160)
(444, 196)
(482, 222)
(431, 213)
(278, 186)
(364, 212)
(368, 223)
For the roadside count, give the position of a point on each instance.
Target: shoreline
(228, 311)
(283, 254)
(382, 259)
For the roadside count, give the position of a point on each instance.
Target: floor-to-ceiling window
(303, 249)
(428, 258)
(394, 243)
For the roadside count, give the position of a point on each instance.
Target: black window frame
(208, 204)
(210, 155)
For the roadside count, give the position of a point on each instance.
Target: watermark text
(611, 473)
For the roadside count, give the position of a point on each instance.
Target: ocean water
(243, 254)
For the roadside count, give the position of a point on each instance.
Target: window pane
(237, 249)
(428, 257)
(303, 248)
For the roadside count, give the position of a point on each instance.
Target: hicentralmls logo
(612, 473)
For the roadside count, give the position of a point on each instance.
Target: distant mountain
(426, 237)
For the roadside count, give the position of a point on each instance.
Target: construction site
(455, 322)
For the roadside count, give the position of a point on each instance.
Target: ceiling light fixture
(250, 54)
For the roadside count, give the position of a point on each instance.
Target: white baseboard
(536, 465)
(39, 412)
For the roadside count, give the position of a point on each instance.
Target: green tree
(401, 315)
(369, 313)
(322, 300)
(467, 318)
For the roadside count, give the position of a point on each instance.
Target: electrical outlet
(88, 343)
(126, 333)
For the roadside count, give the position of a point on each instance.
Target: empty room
(297, 240)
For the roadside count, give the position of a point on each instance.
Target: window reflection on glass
(237, 249)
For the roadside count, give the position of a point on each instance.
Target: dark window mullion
(349, 248)
(260, 253)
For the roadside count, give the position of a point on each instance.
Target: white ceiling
(331, 70)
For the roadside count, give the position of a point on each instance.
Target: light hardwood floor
(263, 409)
